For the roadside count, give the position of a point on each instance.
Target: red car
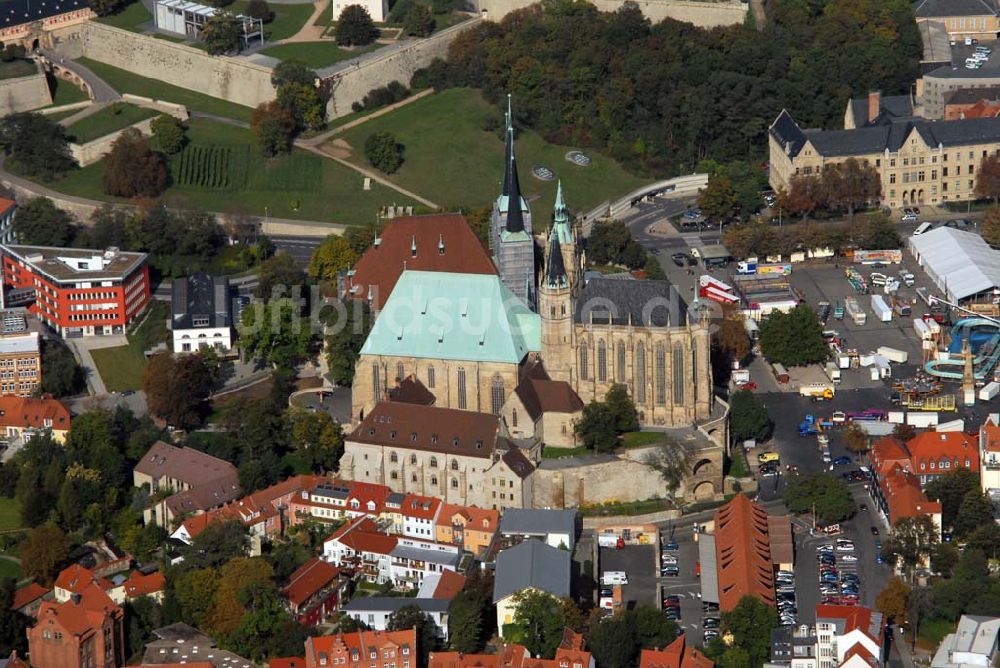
(749, 386)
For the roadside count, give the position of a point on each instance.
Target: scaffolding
(188, 18)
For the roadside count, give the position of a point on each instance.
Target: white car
(848, 558)
(669, 560)
(825, 547)
(845, 547)
(909, 218)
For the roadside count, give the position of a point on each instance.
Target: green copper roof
(561, 220)
(514, 236)
(441, 315)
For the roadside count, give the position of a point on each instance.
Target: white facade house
(556, 528)
(201, 310)
(973, 644)
(377, 9)
(376, 610)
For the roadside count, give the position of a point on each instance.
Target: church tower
(511, 243)
(555, 294)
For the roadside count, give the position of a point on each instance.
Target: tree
(306, 104)
(951, 489)
(988, 179)
(419, 21)
(259, 9)
(43, 552)
(36, 145)
(279, 276)
(12, 623)
(168, 132)
(892, 600)
(330, 258)
(986, 539)
(222, 33)
(991, 227)
(468, 612)
(132, 169)
(911, 541)
(107, 7)
(748, 417)
(412, 617)
(345, 334)
(672, 461)
(40, 222)
(654, 270)
(273, 127)
(828, 497)
(856, 438)
(794, 338)
(851, 183)
(538, 622)
(975, 510)
(62, 376)
(384, 152)
(717, 200)
(750, 624)
(804, 195)
(237, 578)
(317, 437)
(355, 27)
(611, 242)
(621, 409)
(217, 544)
(613, 642)
(919, 604)
(275, 332)
(177, 388)
(731, 337)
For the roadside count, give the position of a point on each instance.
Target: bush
(418, 21)
(383, 152)
(382, 96)
(168, 133)
(259, 9)
(132, 169)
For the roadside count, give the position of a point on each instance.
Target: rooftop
(532, 564)
(20, 344)
(677, 654)
(743, 552)
(184, 644)
(944, 8)
(188, 465)
(18, 12)
(538, 522)
(640, 303)
(34, 413)
(77, 264)
(309, 578)
(976, 635)
(972, 95)
(394, 603)
(890, 107)
(344, 647)
(959, 262)
(932, 451)
(444, 430)
(200, 301)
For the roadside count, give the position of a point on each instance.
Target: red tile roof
(76, 578)
(855, 617)
(929, 450)
(420, 507)
(32, 413)
(368, 492)
(743, 553)
(83, 617)
(888, 452)
(190, 664)
(308, 579)
(360, 642)
(287, 662)
(677, 654)
(6, 204)
(475, 518)
(429, 428)
(28, 594)
(443, 242)
(364, 536)
(458, 660)
(139, 584)
(448, 586)
(903, 495)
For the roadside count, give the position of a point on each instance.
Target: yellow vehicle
(768, 457)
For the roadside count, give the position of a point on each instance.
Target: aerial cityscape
(499, 334)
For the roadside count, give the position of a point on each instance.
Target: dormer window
(454, 441)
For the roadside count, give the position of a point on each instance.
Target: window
(454, 465)
(496, 394)
(620, 362)
(393, 458)
(661, 375)
(454, 483)
(678, 370)
(399, 371)
(461, 388)
(434, 480)
(602, 361)
(640, 372)
(892, 178)
(434, 462)
(413, 460)
(430, 377)
(376, 383)
(583, 362)
(513, 417)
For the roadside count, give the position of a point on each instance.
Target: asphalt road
(300, 248)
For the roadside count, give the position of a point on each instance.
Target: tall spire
(555, 268)
(511, 186)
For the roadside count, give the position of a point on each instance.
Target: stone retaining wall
(701, 14)
(24, 93)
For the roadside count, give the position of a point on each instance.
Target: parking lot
(686, 585)
(639, 563)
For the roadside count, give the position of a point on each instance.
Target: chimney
(874, 105)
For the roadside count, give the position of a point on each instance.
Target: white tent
(960, 263)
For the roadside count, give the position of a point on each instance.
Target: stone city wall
(93, 151)
(24, 93)
(701, 14)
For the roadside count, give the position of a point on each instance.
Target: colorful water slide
(984, 341)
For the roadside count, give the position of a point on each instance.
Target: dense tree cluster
(177, 387)
(618, 641)
(874, 231)
(168, 133)
(62, 376)
(603, 422)
(355, 27)
(222, 34)
(842, 186)
(40, 222)
(748, 417)
(35, 145)
(611, 242)
(347, 325)
(384, 152)
(299, 104)
(794, 338)
(650, 94)
(750, 624)
(827, 497)
(964, 507)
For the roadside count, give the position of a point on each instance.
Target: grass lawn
(121, 368)
(315, 54)
(288, 19)
(10, 569)
(451, 160)
(300, 185)
(638, 439)
(62, 114)
(132, 18)
(625, 508)
(126, 82)
(10, 514)
(112, 117)
(17, 68)
(738, 465)
(63, 92)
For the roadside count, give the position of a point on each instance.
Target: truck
(774, 269)
(990, 391)
(610, 539)
(881, 310)
(921, 329)
(609, 578)
(818, 391)
(747, 267)
(922, 420)
(854, 311)
(893, 354)
(857, 281)
(832, 372)
(901, 307)
(808, 427)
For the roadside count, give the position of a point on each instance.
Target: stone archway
(704, 491)
(703, 467)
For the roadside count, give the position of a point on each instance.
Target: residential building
(850, 637)
(989, 456)
(794, 646)
(374, 611)
(417, 514)
(23, 417)
(455, 455)
(388, 649)
(139, 584)
(76, 291)
(30, 24)
(434, 242)
(83, 632)
(469, 526)
(743, 560)
(20, 355)
(677, 654)
(28, 599)
(963, 19)
(569, 654)
(360, 548)
(8, 207)
(972, 103)
(974, 643)
(933, 454)
(183, 644)
(333, 500)
(543, 409)
(201, 313)
(897, 494)
(74, 579)
(13, 661)
(918, 161)
(313, 592)
(528, 566)
(199, 482)
(556, 528)
(444, 585)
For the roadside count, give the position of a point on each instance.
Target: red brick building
(361, 649)
(313, 591)
(743, 553)
(77, 292)
(677, 654)
(83, 632)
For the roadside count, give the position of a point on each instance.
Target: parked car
(709, 607)
(711, 623)
(671, 546)
(668, 559)
(670, 571)
(848, 558)
(841, 461)
(680, 259)
(909, 217)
